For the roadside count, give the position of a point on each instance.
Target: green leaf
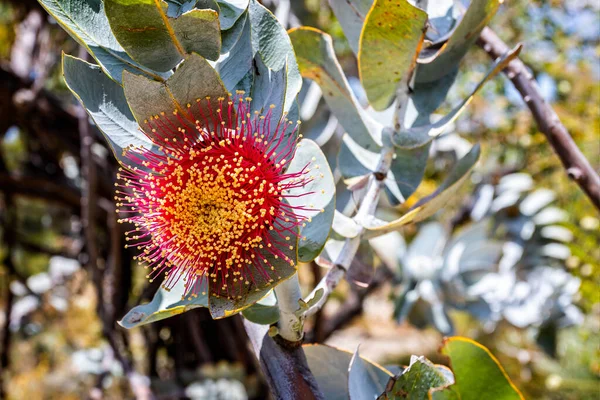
(222, 305)
(433, 67)
(366, 380)
(390, 40)
(415, 381)
(193, 79)
(105, 102)
(271, 41)
(420, 135)
(317, 61)
(318, 195)
(86, 22)
(476, 371)
(165, 304)
(429, 205)
(153, 39)
(263, 312)
(405, 175)
(330, 368)
(351, 14)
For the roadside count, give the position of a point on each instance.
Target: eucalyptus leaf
(230, 11)
(344, 226)
(330, 367)
(263, 312)
(271, 41)
(365, 380)
(178, 7)
(105, 102)
(194, 79)
(234, 65)
(155, 40)
(429, 205)
(390, 39)
(351, 14)
(420, 135)
(86, 22)
(406, 171)
(476, 371)
(166, 303)
(434, 66)
(317, 61)
(268, 90)
(317, 197)
(415, 381)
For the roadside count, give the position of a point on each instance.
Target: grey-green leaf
(230, 11)
(405, 175)
(330, 367)
(351, 14)
(429, 205)
(433, 67)
(166, 303)
(157, 41)
(105, 101)
(86, 22)
(317, 61)
(317, 196)
(365, 380)
(271, 41)
(420, 135)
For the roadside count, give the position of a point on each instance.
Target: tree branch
(577, 166)
(285, 368)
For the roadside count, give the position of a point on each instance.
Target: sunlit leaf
(476, 371)
(317, 61)
(166, 303)
(86, 22)
(317, 196)
(415, 381)
(391, 37)
(194, 79)
(158, 41)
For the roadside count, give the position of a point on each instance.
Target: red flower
(210, 204)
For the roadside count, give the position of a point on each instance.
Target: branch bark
(284, 367)
(577, 166)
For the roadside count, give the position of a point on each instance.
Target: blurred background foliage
(58, 348)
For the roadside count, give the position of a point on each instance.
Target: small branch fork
(577, 166)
